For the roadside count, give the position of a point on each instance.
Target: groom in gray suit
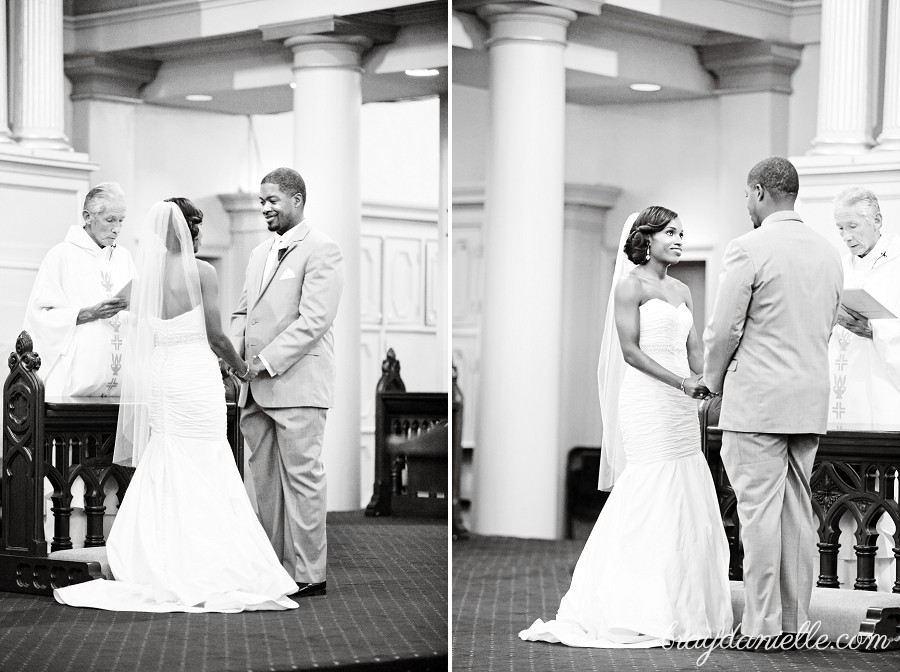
(767, 354)
(282, 327)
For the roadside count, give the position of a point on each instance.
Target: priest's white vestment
(82, 359)
(865, 385)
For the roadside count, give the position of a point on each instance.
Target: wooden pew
(406, 416)
(65, 440)
(855, 471)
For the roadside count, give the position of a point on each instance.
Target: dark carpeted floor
(501, 585)
(386, 609)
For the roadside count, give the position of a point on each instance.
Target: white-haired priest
(74, 311)
(863, 353)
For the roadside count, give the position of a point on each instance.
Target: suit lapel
(299, 236)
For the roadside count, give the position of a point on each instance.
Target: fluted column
(4, 99)
(36, 74)
(516, 470)
(890, 130)
(845, 78)
(327, 106)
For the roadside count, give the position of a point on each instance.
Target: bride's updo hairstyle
(192, 214)
(651, 220)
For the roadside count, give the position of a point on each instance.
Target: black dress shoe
(309, 589)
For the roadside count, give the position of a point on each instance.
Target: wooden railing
(64, 440)
(404, 415)
(856, 472)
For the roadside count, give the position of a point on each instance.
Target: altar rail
(855, 472)
(406, 415)
(64, 440)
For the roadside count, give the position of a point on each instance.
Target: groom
(767, 354)
(282, 327)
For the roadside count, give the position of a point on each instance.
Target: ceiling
(244, 73)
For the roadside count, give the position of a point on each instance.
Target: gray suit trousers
(770, 475)
(285, 460)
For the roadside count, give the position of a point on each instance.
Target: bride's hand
(694, 387)
(249, 375)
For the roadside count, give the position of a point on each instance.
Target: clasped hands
(251, 369)
(695, 389)
(854, 322)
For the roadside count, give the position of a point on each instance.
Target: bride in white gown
(655, 567)
(185, 537)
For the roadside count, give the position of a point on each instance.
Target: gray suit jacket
(767, 339)
(288, 321)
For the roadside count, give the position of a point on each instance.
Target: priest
(864, 354)
(74, 311)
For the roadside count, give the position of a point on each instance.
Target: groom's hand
(256, 366)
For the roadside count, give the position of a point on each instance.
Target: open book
(860, 301)
(125, 292)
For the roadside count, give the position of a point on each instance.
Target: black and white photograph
(225, 274)
(472, 335)
(676, 329)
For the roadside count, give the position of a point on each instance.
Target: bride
(655, 567)
(185, 537)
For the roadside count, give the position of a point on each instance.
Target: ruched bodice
(659, 422)
(664, 332)
(187, 398)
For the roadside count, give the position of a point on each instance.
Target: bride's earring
(648, 253)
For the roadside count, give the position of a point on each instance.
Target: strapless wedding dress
(655, 567)
(186, 537)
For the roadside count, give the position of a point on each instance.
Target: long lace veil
(610, 372)
(166, 284)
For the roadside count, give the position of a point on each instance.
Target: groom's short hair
(288, 180)
(776, 175)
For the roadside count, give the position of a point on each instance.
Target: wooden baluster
(93, 510)
(865, 567)
(828, 562)
(62, 516)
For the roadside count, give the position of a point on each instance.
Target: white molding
(401, 213)
(602, 196)
(62, 160)
(18, 265)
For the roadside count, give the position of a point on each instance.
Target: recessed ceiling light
(198, 98)
(423, 72)
(293, 85)
(645, 87)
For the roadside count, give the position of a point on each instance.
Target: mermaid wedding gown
(185, 537)
(655, 567)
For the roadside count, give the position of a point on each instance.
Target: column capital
(526, 22)
(329, 41)
(751, 67)
(108, 76)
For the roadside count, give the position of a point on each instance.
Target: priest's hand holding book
(854, 322)
(103, 310)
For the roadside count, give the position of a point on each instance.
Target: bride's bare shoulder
(205, 267)
(629, 287)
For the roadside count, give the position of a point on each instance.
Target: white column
(443, 266)
(327, 103)
(516, 471)
(845, 78)
(890, 130)
(4, 90)
(37, 86)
